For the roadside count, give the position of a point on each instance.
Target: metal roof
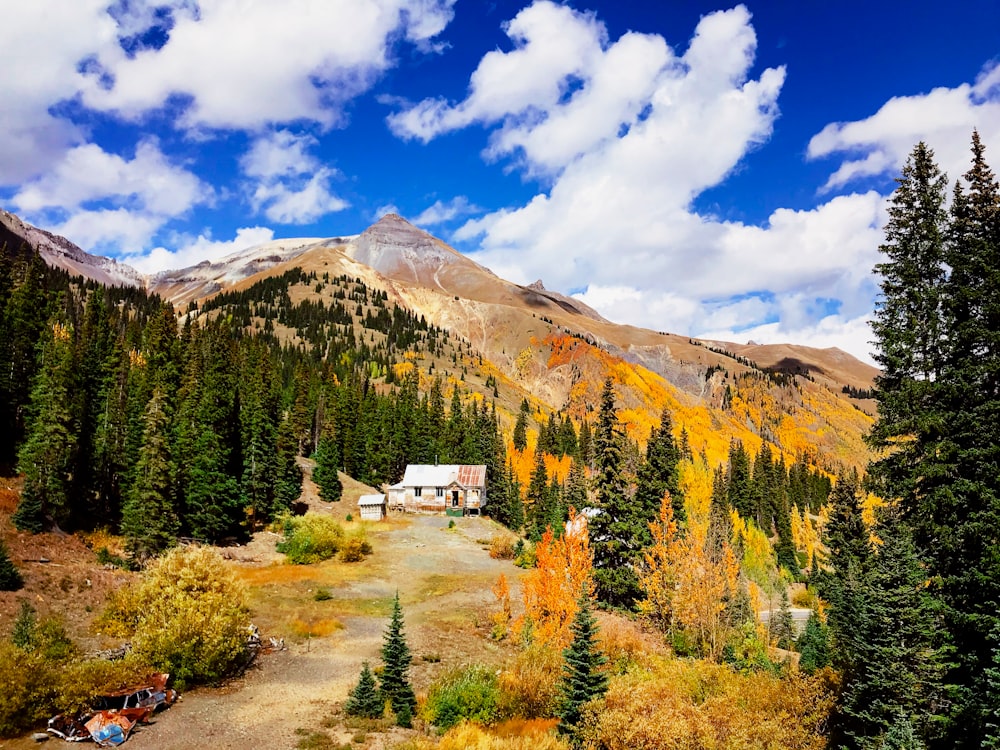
(442, 475)
(371, 500)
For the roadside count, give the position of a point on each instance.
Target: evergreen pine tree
(395, 682)
(539, 500)
(781, 624)
(616, 530)
(582, 679)
(938, 337)
(47, 455)
(521, 427)
(738, 482)
(658, 474)
(364, 700)
(325, 474)
(955, 508)
(10, 576)
(29, 515)
(149, 522)
(24, 316)
(813, 645)
(891, 643)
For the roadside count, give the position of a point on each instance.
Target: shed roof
(366, 500)
(442, 475)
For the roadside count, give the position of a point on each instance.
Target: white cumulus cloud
(944, 118)
(291, 186)
(305, 59)
(441, 212)
(106, 202)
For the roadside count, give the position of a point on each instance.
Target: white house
(454, 489)
(372, 507)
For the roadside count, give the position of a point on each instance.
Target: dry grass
(8, 500)
(305, 627)
(502, 546)
(278, 575)
(524, 727)
(625, 643)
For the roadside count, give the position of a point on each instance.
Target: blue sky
(706, 169)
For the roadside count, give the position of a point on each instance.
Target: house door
(454, 498)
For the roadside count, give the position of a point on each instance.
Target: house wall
(372, 512)
(429, 502)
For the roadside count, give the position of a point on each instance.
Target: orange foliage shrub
(562, 570)
(624, 643)
(690, 705)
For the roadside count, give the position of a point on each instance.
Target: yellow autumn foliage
(687, 580)
(696, 705)
(472, 737)
(187, 615)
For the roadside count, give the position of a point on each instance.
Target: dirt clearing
(443, 577)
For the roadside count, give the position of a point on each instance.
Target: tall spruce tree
(540, 501)
(813, 645)
(615, 531)
(897, 646)
(960, 531)
(938, 336)
(149, 521)
(47, 456)
(395, 684)
(521, 427)
(582, 679)
(910, 329)
(325, 474)
(658, 474)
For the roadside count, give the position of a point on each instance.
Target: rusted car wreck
(115, 714)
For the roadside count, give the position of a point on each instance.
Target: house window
(439, 492)
(418, 491)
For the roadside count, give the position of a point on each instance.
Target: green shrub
(471, 693)
(322, 595)
(27, 689)
(187, 616)
(310, 538)
(106, 557)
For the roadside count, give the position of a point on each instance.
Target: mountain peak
(398, 249)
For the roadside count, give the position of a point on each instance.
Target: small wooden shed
(372, 507)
